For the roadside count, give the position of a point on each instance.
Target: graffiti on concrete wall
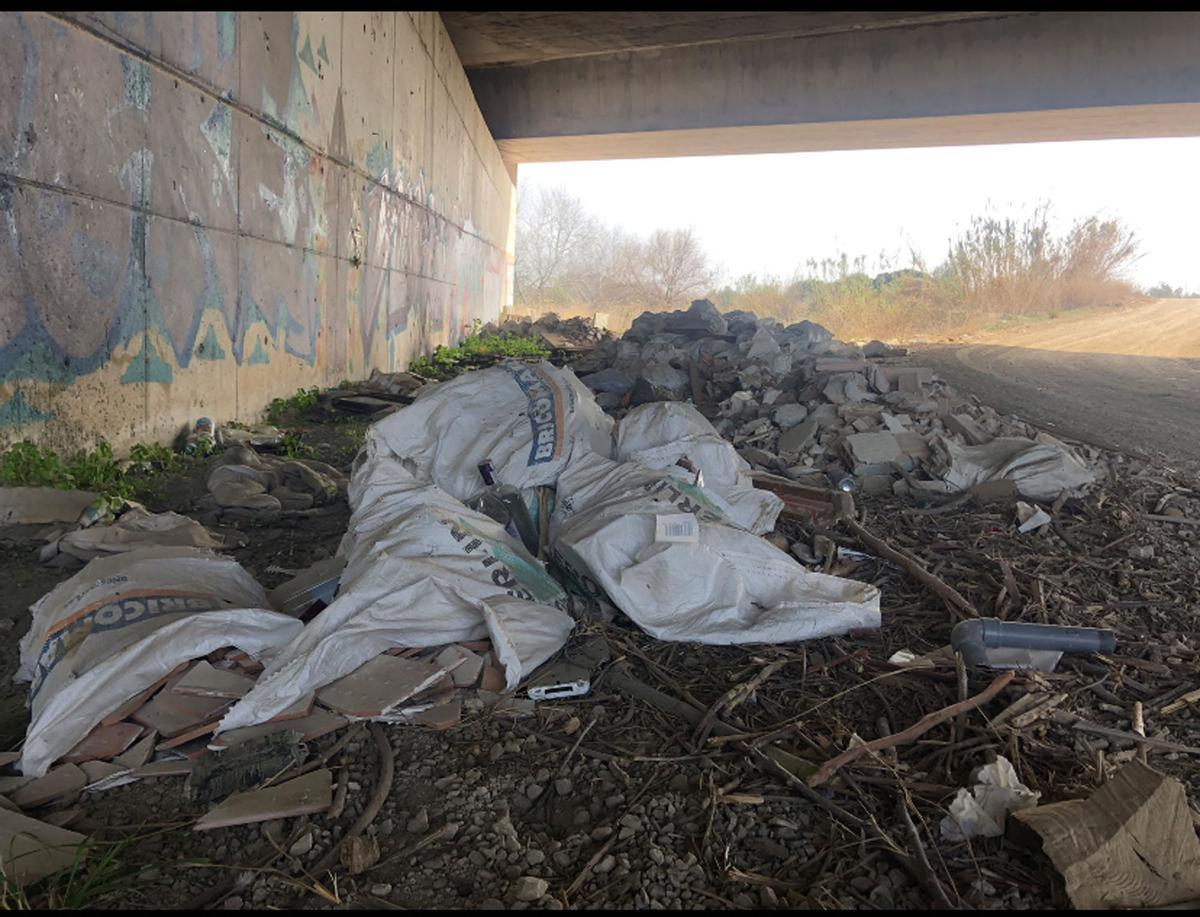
(188, 219)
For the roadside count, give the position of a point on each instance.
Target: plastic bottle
(204, 429)
(505, 504)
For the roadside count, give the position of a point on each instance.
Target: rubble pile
(709, 618)
(797, 403)
(565, 337)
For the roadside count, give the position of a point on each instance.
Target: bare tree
(553, 231)
(673, 267)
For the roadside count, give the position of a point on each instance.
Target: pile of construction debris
(516, 561)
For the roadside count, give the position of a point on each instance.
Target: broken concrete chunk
(965, 426)
(305, 795)
(205, 681)
(32, 849)
(873, 448)
(788, 415)
(795, 440)
(378, 685)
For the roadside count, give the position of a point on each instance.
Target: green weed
(476, 347)
(279, 407)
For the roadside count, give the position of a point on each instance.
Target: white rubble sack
(658, 434)
(525, 417)
(725, 587)
(422, 570)
(122, 623)
(1041, 468)
(981, 810)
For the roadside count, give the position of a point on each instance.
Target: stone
(419, 823)
(302, 846)
(529, 888)
(381, 889)
(965, 426)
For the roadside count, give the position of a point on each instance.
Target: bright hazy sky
(770, 213)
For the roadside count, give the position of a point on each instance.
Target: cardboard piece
(1132, 844)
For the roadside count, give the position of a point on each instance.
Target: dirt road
(1127, 379)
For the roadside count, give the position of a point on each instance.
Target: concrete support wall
(200, 212)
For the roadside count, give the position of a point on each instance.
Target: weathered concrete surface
(1005, 78)
(202, 211)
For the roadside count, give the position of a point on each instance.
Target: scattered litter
(1031, 518)
(1017, 645)
(981, 811)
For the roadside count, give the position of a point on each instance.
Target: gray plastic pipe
(973, 638)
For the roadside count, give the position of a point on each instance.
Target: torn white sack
(526, 418)
(660, 433)
(981, 810)
(122, 623)
(728, 587)
(422, 570)
(1040, 468)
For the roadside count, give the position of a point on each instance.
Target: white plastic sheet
(422, 571)
(122, 623)
(526, 418)
(658, 434)
(727, 587)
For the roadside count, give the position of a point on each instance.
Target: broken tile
(205, 681)
(104, 743)
(463, 664)
(190, 736)
(32, 849)
(139, 753)
(245, 766)
(6, 803)
(171, 714)
(134, 703)
(9, 785)
(492, 679)
(164, 769)
(301, 708)
(305, 795)
(378, 685)
(318, 723)
(64, 818)
(59, 782)
(96, 771)
(9, 757)
(442, 716)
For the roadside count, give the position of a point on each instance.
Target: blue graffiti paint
(40, 362)
(97, 264)
(226, 34)
(136, 74)
(306, 54)
(17, 411)
(259, 356)
(321, 52)
(148, 366)
(210, 349)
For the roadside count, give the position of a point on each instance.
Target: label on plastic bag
(676, 527)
